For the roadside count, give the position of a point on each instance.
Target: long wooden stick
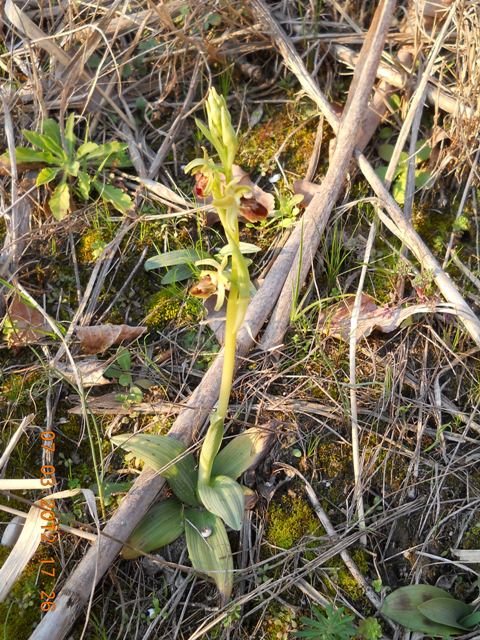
(308, 232)
(395, 220)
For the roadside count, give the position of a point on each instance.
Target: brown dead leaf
(97, 339)
(24, 324)
(90, 371)
(337, 321)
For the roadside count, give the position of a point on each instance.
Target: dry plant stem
(435, 95)
(357, 463)
(307, 234)
(471, 175)
(327, 525)
(74, 595)
(395, 221)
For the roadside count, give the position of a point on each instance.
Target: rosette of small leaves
(430, 610)
(334, 624)
(207, 541)
(399, 183)
(75, 167)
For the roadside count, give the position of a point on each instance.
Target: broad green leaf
(45, 143)
(395, 101)
(385, 132)
(177, 274)
(225, 498)
(60, 201)
(51, 129)
(241, 453)
(381, 172)
(110, 489)
(23, 155)
(70, 138)
(447, 611)
(422, 178)
(399, 187)
(46, 175)
(124, 359)
(161, 525)
(423, 151)
(209, 548)
(471, 620)
(402, 606)
(86, 148)
(172, 258)
(120, 200)
(72, 168)
(104, 152)
(245, 247)
(167, 456)
(125, 379)
(385, 151)
(83, 184)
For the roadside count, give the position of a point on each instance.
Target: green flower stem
(237, 304)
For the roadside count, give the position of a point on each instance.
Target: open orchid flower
(216, 281)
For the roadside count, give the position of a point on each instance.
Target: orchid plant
(208, 497)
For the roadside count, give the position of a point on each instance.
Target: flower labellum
(252, 210)
(204, 288)
(201, 184)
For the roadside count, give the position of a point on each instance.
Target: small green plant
(370, 629)
(208, 497)
(121, 369)
(431, 611)
(422, 176)
(334, 624)
(75, 168)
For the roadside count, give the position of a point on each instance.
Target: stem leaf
(209, 548)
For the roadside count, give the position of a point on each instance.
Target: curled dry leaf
(97, 339)
(24, 324)
(337, 321)
(90, 371)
